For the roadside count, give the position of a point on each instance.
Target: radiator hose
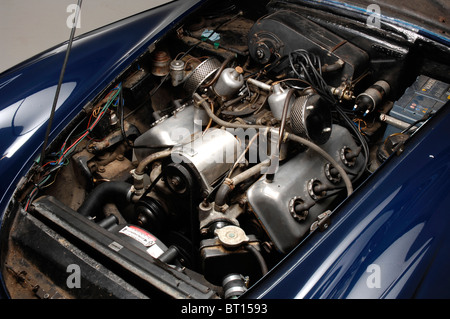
(108, 192)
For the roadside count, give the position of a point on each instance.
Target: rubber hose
(219, 121)
(259, 258)
(108, 192)
(222, 194)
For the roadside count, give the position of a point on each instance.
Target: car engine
(222, 148)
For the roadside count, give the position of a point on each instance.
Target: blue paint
(398, 220)
(96, 59)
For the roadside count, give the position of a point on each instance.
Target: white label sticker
(139, 235)
(155, 251)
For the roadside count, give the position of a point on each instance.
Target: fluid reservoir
(229, 82)
(160, 63)
(177, 71)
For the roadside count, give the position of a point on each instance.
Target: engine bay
(219, 151)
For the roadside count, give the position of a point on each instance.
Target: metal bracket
(322, 222)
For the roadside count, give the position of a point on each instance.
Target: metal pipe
(199, 100)
(230, 183)
(151, 158)
(259, 84)
(395, 122)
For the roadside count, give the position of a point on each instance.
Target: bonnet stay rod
(61, 77)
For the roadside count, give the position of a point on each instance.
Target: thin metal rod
(58, 88)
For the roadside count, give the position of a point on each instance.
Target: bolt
(91, 148)
(175, 181)
(260, 53)
(242, 202)
(205, 194)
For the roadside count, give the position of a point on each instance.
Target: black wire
(410, 126)
(337, 191)
(310, 69)
(152, 185)
(121, 107)
(61, 77)
(121, 119)
(259, 258)
(153, 92)
(267, 68)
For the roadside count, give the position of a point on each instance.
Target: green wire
(65, 161)
(105, 107)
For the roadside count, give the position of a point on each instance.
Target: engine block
(302, 189)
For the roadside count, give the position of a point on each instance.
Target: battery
(424, 96)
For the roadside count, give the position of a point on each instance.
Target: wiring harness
(49, 169)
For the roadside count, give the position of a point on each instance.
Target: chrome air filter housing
(200, 74)
(311, 118)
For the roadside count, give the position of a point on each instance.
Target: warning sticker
(155, 251)
(139, 235)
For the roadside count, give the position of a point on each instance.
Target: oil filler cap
(231, 236)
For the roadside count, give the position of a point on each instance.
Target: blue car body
(394, 227)
(27, 90)
(389, 239)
